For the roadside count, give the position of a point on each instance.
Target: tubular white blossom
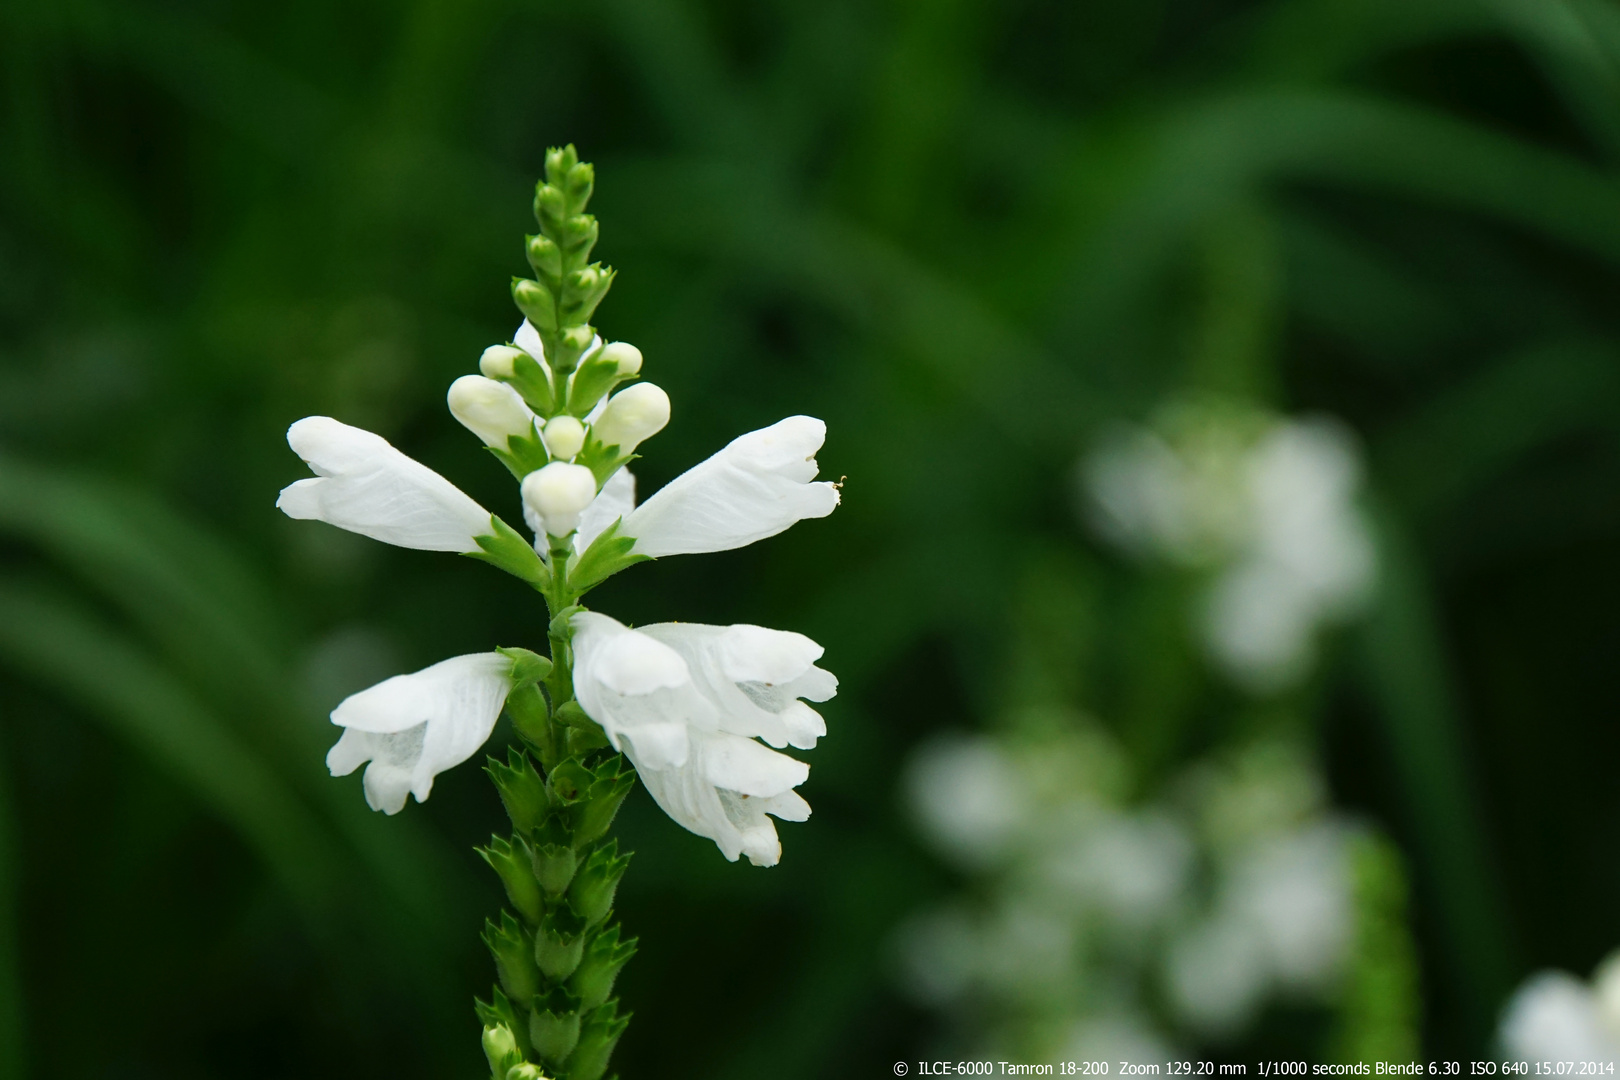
(754, 678)
(632, 416)
(682, 701)
(366, 486)
(491, 410)
(557, 495)
(756, 487)
(413, 727)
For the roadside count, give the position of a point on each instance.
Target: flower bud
(558, 494)
(549, 202)
(500, 361)
(525, 1070)
(491, 410)
(536, 302)
(625, 355)
(544, 256)
(500, 1047)
(633, 414)
(563, 436)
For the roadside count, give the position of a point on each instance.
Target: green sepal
(582, 739)
(526, 1070)
(594, 378)
(514, 951)
(573, 714)
(559, 943)
(596, 882)
(597, 1037)
(528, 667)
(604, 957)
(608, 554)
(554, 866)
(538, 304)
(554, 1025)
(512, 862)
(509, 551)
(501, 1049)
(570, 782)
(579, 182)
(500, 1010)
(593, 815)
(522, 791)
(561, 625)
(529, 380)
(602, 459)
(523, 454)
(531, 719)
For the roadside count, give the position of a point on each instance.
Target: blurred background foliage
(968, 235)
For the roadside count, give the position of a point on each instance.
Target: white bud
(625, 355)
(498, 361)
(491, 410)
(557, 494)
(632, 415)
(563, 436)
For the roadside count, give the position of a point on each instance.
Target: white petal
(413, 727)
(752, 677)
(756, 487)
(616, 499)
(366, 486)
(637, 688)
(746, 767)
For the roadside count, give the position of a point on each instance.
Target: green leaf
(509, 551)
(608, 554)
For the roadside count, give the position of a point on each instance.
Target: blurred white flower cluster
(1110, 930)
(1265, 503)
(1556, 1017)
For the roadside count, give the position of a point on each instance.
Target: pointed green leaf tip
(512, 862)
(509, 551)
(604, 957)
(528, 667)
(522, 791)
(608, 554)
(597, 1038)
(594, 814)
(510, 944)
(591, 895)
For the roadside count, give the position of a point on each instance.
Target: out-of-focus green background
(968, 235)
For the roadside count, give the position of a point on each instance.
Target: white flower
(491, 410)
(366, 486)
(413, 727)
(1556, 1017)
(632, 416)
(682, 700)
(756, 487)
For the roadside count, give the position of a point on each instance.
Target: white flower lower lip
(413, 727)
(684, 702)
